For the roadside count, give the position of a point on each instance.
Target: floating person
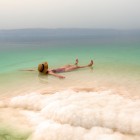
(43, 68)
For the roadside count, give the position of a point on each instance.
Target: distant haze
(43, 35)
(114, 14)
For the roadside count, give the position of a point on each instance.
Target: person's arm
(27, 70)
(56, 75)
(33, 69)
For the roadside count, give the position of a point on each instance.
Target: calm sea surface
(101, 102)
(114, 61)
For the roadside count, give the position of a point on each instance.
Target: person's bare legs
(90, 64)
(76, 62)
(76, 67)
(68, 66)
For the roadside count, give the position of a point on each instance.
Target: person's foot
(76, 61)
(91, 63)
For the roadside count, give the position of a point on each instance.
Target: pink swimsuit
(59, 70)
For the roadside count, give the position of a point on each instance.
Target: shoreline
(26, 82)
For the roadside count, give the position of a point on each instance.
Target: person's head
(43, 67)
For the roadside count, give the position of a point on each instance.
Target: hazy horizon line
(76, 28)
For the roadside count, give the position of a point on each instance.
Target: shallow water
(102, 102)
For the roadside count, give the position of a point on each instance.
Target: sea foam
(72, 115)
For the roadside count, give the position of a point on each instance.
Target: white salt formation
(70, 115)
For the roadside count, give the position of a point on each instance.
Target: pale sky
(116, 14)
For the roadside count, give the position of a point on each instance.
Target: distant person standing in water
(43, 68)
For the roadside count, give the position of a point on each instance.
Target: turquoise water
(44, 106)
(114, 61)
(20, 56)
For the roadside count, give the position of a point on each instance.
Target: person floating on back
(43, 68)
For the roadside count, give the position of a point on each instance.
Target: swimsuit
(58, 70)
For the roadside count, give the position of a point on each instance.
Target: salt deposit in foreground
(71, 115)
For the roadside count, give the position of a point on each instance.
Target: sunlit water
(102, 103)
